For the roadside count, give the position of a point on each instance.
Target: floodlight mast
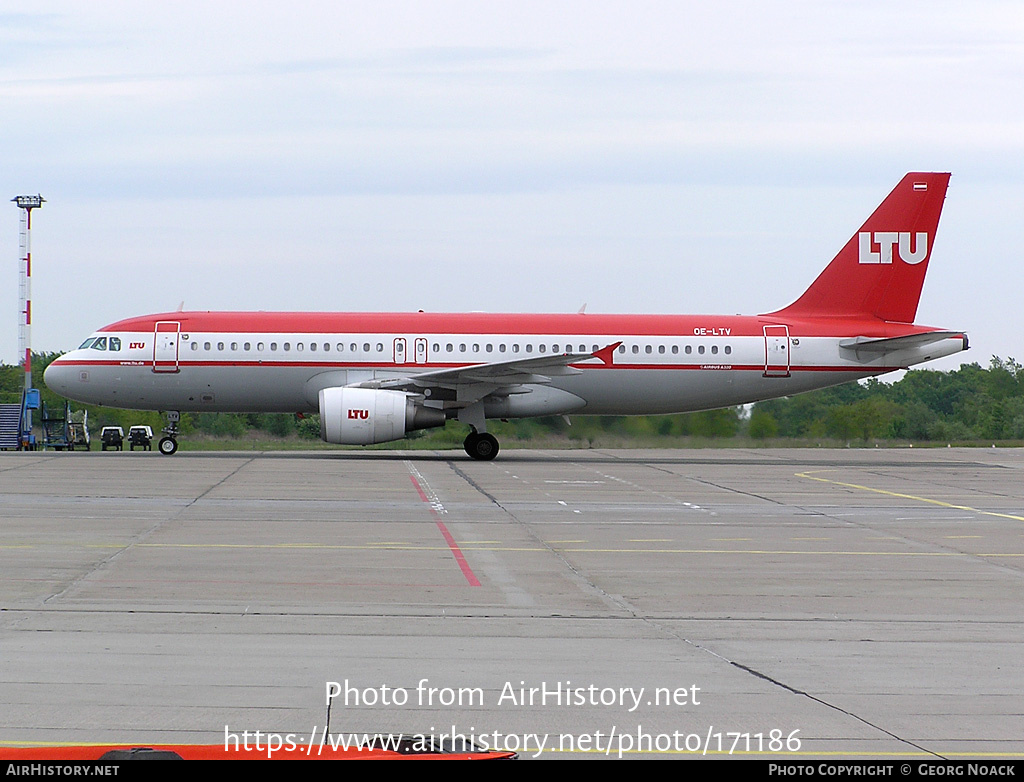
(26, 203)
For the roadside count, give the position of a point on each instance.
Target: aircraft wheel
(482, 447)
(168, 446)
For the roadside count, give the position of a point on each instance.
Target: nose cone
(58, 377)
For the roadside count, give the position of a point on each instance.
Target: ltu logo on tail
(885, 240)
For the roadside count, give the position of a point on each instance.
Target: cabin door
(776, 351)
(165, 346)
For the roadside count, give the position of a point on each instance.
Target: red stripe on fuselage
(482, 324)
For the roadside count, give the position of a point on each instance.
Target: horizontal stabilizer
(874, 347)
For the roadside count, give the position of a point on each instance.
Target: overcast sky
(523, 156)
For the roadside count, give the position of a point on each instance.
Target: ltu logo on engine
(359, 414)
(885, 241)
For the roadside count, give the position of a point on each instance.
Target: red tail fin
(880, 271)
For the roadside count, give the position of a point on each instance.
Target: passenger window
(462, 347)
(622, 348)
(273, 346)
(489, 347)
(636, 349)
(312, 346)
(529, 348)
(220, 346)
(675, 349)
(366, 347)
(247, 346)
(728, 350)
(714, 350)
(476, 347)
(647, 350)
(195, 346)
(207, 346)
(301, 346)
(501, 347)
(541, 348)
(437, 347)
(689, 349)
(327, 347)
(449, 347)
(380, 347)
(259, 346)
(701, 350)
(234, 346)
(515, 348)
(661, 349)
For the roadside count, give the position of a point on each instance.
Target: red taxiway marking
(467, 571)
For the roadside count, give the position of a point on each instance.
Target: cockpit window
(101, 343)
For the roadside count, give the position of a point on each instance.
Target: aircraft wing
(475, 381)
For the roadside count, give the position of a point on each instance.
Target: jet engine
(361, 416)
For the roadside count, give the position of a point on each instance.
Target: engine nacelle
(361, 416)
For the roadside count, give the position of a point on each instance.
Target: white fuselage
(732, 361)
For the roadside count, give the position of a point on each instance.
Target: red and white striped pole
(26, 203)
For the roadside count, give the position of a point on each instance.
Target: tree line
(970, 404)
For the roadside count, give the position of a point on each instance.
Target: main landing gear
(168, 444)
(482, 446)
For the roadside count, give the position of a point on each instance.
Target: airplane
(376, 377)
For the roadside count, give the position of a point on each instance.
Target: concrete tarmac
(794, 603)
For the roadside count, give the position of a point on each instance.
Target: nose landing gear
(168, 444)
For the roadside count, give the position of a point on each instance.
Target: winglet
(605, 353)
